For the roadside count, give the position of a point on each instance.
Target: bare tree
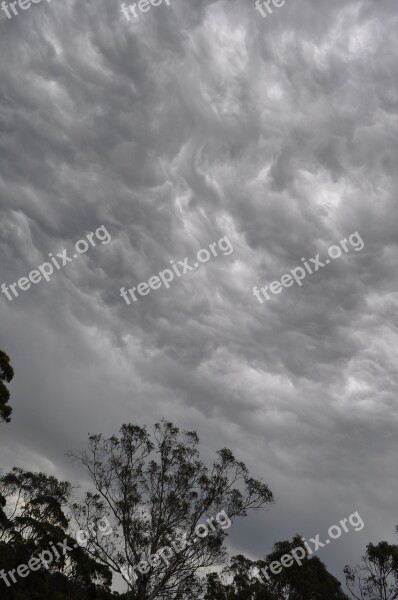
(153, 488)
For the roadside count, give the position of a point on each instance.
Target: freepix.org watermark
(299, 553)
(23, 4)
(47, 269)
(298, 274)
(259, 5)
(46, 557)
(167, 276)
(143, 6)
(176, 546)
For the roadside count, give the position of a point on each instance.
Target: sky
(194, 122)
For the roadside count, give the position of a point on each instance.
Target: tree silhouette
(376, 578)
(154, 487)
(6, 374)
(307, 581)
(33, 521)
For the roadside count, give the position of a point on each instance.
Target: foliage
(32, 518)
(6, 374)
(154, 487)
(376, 578)
(308, 581)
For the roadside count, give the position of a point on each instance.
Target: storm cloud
(193, 122)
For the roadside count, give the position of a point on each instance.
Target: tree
(308, 580)
(155, 488)
(6, 374)
(33, 522)
(376, 578)
(236, 582)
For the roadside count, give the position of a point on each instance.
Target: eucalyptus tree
(169, 511)
(376, 577)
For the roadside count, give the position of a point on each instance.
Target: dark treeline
(150, 488)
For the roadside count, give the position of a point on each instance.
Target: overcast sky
(198, 121)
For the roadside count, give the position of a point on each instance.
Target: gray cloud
(203, 120)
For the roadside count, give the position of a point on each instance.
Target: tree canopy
(34, 522)
(6, 374)
(309, 580)
(154, 488)
(376, 577)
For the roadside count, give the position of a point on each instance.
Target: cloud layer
(197, 121)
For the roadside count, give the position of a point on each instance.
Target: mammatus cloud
(194, 122)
